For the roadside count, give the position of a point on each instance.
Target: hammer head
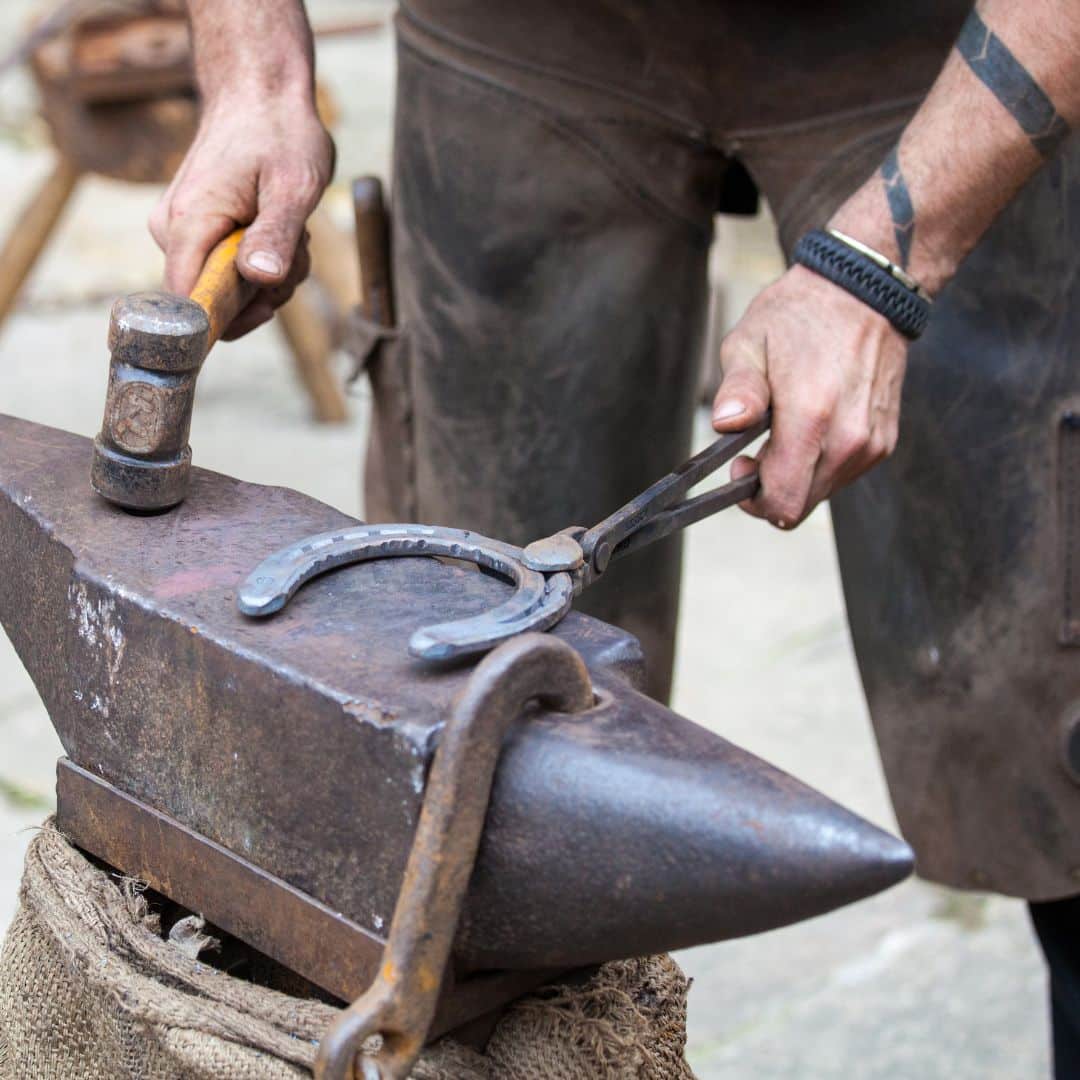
(141, 458)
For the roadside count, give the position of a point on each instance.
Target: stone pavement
(918, 983)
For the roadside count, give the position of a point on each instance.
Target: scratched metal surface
(302, 742)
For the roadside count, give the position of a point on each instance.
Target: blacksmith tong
(547, 574)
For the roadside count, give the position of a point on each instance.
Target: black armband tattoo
(900, 205)
(1011, 83)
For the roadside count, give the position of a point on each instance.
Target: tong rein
(651, 515)
(547, 574)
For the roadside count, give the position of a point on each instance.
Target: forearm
(1006, 97)
(252, 48)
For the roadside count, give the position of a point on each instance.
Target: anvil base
(259, 909)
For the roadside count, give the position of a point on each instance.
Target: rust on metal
(622, 830)
(253, 905)
(158, 342)
(400, 1004)
(141, 456)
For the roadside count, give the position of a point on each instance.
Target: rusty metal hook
(400, 1004)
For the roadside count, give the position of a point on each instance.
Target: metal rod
(600, 541)
(689, 512)
(400, 1004)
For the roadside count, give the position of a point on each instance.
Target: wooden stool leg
(333, 261)
(309, 338)
(32, 230)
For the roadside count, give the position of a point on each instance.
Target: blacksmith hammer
(158, 341)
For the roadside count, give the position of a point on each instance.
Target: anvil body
(302, 742)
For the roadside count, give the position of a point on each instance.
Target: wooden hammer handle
(220, 290)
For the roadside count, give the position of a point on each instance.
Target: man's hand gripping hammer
(158, 342)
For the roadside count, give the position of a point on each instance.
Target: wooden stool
(118, 94)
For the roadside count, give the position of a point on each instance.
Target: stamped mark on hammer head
(137, 426)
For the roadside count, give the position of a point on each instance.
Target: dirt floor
(918, 983)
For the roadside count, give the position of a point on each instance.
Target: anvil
(297, 748)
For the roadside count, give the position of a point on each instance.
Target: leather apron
(557, 167)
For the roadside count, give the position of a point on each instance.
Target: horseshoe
(538, 602)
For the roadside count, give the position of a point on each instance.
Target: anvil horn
(301, 743)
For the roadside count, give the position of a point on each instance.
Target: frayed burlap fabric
(90, 990)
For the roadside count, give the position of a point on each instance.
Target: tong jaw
(559, 552)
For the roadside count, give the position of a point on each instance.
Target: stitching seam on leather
(825, 120)
(549, 118)
(1067, 478)
(686, 126)
(811, 190)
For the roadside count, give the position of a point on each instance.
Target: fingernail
(729, 410)
(266, 261)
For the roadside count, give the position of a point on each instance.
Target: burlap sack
(90, 990)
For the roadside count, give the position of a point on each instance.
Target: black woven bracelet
(859, 275)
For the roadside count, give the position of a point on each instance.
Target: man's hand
(832, 370)
(252, 163)
(1007, 97)
(261, 158)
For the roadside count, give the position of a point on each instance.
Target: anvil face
(302, 742)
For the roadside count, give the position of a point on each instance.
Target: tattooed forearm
(900, 205)
(1012, 85)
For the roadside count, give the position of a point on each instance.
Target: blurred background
(921, 982)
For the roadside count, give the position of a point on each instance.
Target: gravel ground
(918, 983)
